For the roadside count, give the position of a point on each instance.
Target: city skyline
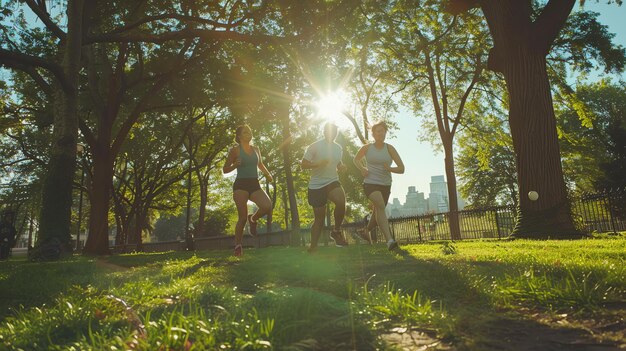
(416, 203)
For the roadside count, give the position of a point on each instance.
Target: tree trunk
(519, 53)
(56, 203)
(268, 223)
(140, 216)
(291, 193)
(204, 198)
(188, 233)
(453, 205)
(286, 208)
(119, 238)
(102, 185)
(535, 141)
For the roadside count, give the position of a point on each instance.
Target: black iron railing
(597, 212)
(601, 212)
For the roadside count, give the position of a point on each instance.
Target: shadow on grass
(28, 284)
(311, 297)
(335, 274)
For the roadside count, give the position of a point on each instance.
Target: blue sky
(420, 159)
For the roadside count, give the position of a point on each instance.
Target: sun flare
(331, 106)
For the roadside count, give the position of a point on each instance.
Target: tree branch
(143, 102)
(351, 118)
(44, 16)
(184, 18)
(477, 72)
(19, 60)
(550, 22)
(188, 33)
(25, 152)
(32, 72)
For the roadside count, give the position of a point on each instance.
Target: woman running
(376, 171)
(246, 158)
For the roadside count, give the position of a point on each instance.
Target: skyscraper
(438, 196)
(416, 204)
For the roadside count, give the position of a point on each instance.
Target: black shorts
(247, 184)
(385, 190)
(319, 197)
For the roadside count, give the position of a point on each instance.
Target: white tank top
(376, 161)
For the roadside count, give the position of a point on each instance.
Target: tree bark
(98, 240)
(287, 163)
(519, 53)
(533, 128)
(55, 215)
(453, 204)
(204, 198)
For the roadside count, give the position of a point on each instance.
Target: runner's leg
(241, 202)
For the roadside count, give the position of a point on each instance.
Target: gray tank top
(376, 161)
(249, 165)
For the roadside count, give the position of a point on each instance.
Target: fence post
(610, 205)
(419, 229)
(495, 211)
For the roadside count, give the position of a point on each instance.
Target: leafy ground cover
(471, 295)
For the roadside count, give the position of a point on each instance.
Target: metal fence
(597, 212)
(601, 212)
(495, 222)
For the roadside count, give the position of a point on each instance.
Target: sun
(331, 106)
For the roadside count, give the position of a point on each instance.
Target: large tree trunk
(519, 53)
(56, 205)
(535, 141)
(102, 185)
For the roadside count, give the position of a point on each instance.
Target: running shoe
(238, 251)
(392, 245)
(338, 238)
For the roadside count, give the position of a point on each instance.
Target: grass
(474, 295)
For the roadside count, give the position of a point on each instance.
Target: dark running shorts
(247, 184)
(385, 190)
(319, 197)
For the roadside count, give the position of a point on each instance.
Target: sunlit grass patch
(212, 327)
(65, 322)
(386, 305)
(575, 291)
(283, 298)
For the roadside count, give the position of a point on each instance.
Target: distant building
(416, 204)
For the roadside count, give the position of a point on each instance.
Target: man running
(323, 158)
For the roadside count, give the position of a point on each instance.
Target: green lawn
(473, 295)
